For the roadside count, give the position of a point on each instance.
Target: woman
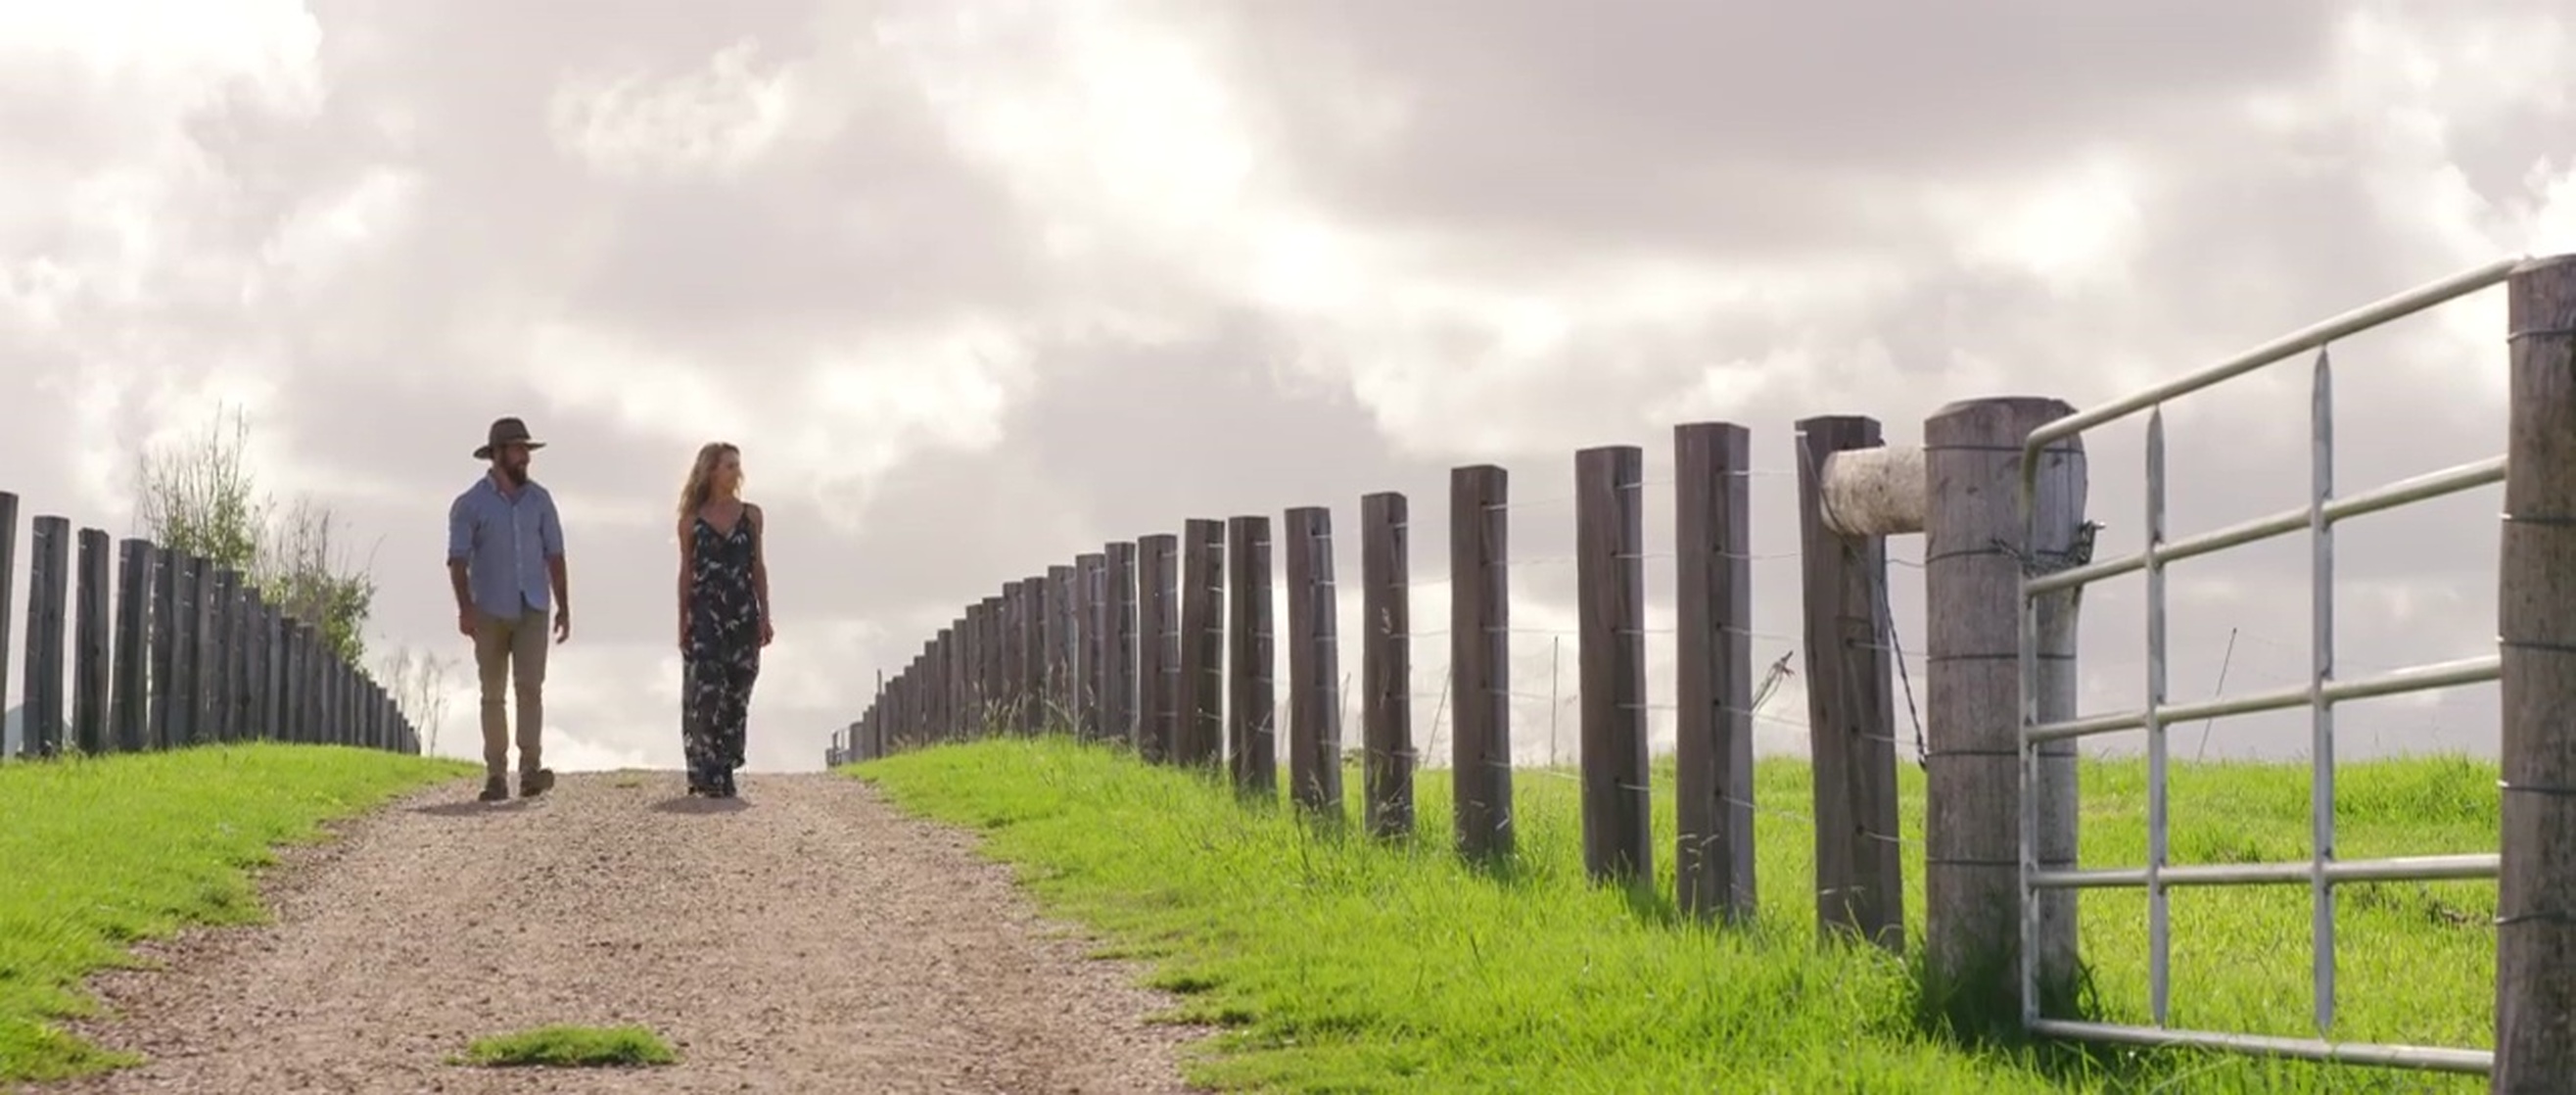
(724, 616)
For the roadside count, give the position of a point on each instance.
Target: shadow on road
(688, 805)
(470, 808)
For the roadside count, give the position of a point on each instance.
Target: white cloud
(714, 121)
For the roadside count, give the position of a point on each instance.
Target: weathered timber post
(1851, 714)
(1158, 652)
(993, 679)
(163, 715)
(242, 638)
(1713, 678)
(1202, 680)
(219, 649)
(1386, 667)
(202, 652)
(970, 678)
(41, 723)
(272, 680)
(1006, 639)
(1610, 611)
(1314, 664)
(2536, 619)
(1480, 611)
(8, 564)
(1252, 747)
(1060, 655)
(1973, 533)
(1086, 646)
(1118, 692)
(90, 651)
(133, 729)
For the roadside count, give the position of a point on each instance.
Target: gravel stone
(806, 937)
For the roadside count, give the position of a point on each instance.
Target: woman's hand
(684, 636)
(766, 632)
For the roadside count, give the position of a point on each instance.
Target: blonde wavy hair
(701, 484)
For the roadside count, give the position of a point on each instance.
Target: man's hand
(684, 636)
(766, 632)
(563, 623)
(465, 621)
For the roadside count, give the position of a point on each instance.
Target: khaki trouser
(515, 648)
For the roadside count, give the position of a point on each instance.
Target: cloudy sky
(981, 284)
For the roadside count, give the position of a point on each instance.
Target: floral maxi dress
(723, 656)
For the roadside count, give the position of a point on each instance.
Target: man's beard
(517, 474)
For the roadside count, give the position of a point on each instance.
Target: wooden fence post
(1060, 649)
(243, 637)
(272, 674)
(219, 653)
(133, 640)
(8, 568)
(317, 667)
(1251, 701)
(1013, 655)
(290, 679)
(1097, 649)
(326, 699)
(1713, 678)
(1031, 686)
(1386, 667)
(987, 668)
(1972, 589)
(1118, 650)
(1202, 682)
(969, 689)
(183, 650)
(164, 640)
(1851, 714)
(1610, 608)
(1087, 618)
(2536, 617)
(1314, 664)
(899, 696)
(1480, 659)
(944, 681)
(336, 710)
(1158, 651)
(48, 587)
(90, 652)
(206, 659)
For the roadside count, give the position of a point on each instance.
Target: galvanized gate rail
(2321, 872)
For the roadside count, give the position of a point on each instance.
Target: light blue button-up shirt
(505, 543)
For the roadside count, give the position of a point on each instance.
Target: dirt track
(803, 938)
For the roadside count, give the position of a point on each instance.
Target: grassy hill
(1339, 964)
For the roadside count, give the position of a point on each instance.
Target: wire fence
(1635, 650)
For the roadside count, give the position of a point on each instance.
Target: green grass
(1337, 964)
(572, 1047)
(97, 854)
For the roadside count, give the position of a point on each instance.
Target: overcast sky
(981, 284)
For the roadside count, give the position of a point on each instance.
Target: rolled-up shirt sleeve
(460, 530)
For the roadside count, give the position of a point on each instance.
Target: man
(505, 552)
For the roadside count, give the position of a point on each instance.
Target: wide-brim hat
(507, 431)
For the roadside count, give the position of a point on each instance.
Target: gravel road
(806, 937)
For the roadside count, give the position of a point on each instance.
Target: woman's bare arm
(759, 559)
(688, 560)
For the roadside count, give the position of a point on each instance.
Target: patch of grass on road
(1340, 964)
(572, 1047)
(96, 854)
